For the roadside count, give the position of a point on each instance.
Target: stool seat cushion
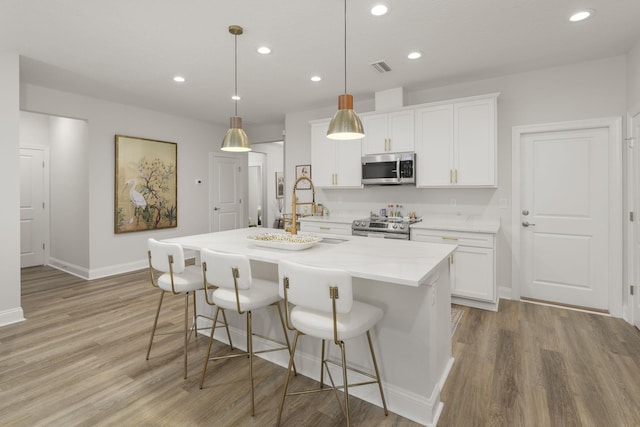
(320, 324)
(261, 294)
(189, 280)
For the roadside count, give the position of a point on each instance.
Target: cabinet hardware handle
(456, 176)
(451, 259)
(450, 176)
(325, 228)
(526, 224)
(449, 238)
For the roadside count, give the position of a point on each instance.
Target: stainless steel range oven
(385, 228)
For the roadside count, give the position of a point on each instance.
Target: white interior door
(32, 208)
(564, 217)
(225, 186)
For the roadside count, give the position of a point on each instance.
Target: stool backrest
(220, 267)
(160, 252)
(309, 286)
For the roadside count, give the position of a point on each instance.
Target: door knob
(526, 224)
(525, 212)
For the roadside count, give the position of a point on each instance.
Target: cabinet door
(434, 146)
(473, 271)
(322, 156)
(401, 132)
(474, 133)
(348, 163)
(375, 134)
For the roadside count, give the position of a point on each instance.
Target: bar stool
(237, 290)
(325, 309)
(177, 278)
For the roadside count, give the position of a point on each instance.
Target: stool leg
(195, 315)
(206, 360)
(322, 365)
(286, 381)
(286, 336)
(155, 324)
(346, 385)
(375, 366)
(250, 350)
(186, 330)
(226, 326)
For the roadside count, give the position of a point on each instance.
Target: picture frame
(303, 170)
(146, 184)
(279, 185)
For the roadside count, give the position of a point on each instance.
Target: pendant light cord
(345, 46)
(235, 95)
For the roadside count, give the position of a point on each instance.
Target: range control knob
(401, 226)
(395, 226)
(356, 223)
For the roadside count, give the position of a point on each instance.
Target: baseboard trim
(13, 315)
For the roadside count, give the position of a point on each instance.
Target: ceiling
(129, 51)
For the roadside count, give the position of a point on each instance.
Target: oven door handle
(398, 169)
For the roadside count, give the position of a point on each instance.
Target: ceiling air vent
(381, 66)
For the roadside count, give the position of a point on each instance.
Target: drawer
(326, 228)
(480, 240)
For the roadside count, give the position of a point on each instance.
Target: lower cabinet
(325, 227)
(473, 265)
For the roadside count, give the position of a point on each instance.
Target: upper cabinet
(334, 163)
(456, 143)
(388, 132)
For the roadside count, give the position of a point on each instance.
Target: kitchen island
(410, 281)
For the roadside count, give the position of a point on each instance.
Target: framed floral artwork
(146, 184)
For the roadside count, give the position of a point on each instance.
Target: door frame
(614, 126)
(632, 199)
(46, 230)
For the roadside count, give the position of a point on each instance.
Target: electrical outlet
(452, 203)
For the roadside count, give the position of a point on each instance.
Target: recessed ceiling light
(415, 55)
(316, 78)
(379, 10)
(264, 50)
(236, 97)
(581, 15)
(178, 79)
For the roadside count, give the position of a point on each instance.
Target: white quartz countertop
(396, 261)
(468, 223)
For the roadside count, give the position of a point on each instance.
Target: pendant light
(345, 124)
(235, 139)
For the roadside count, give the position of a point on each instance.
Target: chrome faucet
(294, 204)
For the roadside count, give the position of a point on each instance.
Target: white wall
(10, 309)
(109, 253)
(69, 193)
(578, 91)
(633, 77)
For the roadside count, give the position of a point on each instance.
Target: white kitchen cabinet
(473, 265)
(388, 132)
(456, 143)
(334, 163)
(325, 225)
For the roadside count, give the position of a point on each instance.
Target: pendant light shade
(345, 124)
(235, 139)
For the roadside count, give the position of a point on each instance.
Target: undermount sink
(332, 240)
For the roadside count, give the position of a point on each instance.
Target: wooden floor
(79, 360)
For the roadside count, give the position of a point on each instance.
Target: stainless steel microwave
(389, 168)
